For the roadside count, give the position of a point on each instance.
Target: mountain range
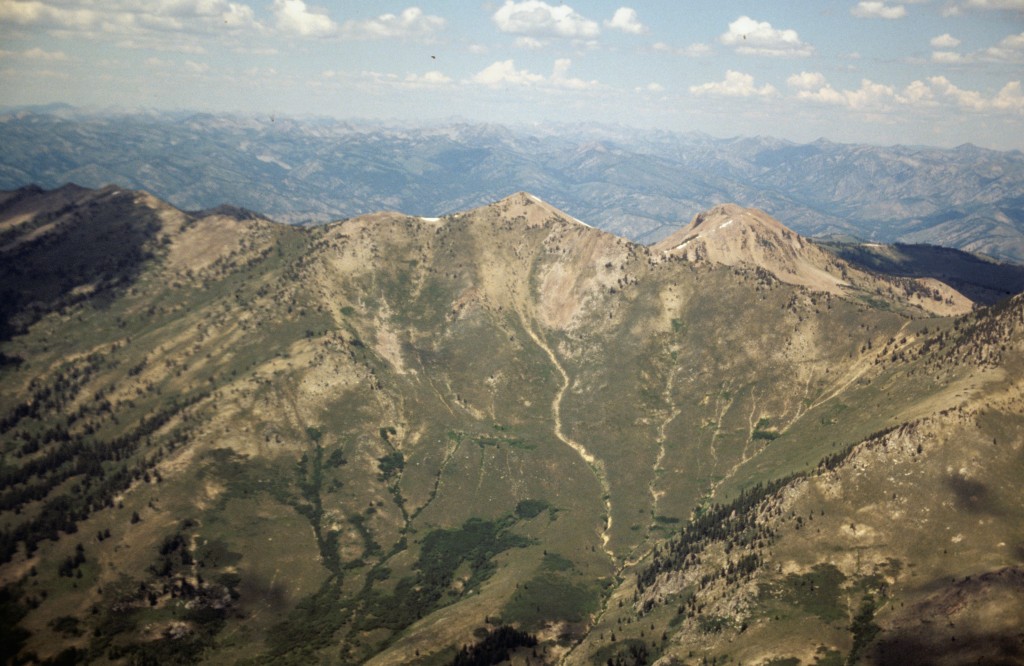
(638, 184)
(413, 439)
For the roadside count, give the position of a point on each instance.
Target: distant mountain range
(642, 185)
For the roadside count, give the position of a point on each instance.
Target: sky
(930, 72)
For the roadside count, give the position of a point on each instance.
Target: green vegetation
(531, 508)
(863, 629)
(554, 593)
(817, 592)
(495, 648)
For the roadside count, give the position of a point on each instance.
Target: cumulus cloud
(294, 17)
(1009, 49)
(625, 19)
(875, 9)
(806, 80)
(411, 23)
(759, 38)
(946, 41)
(504, 72)
(931, 92)
(736, 84)
(535, 17)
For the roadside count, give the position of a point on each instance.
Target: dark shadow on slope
(980, 279)
(88, 249)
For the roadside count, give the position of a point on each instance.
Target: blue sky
(935, 72)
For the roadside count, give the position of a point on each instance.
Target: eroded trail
(596, 465)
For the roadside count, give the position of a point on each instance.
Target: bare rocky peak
(736, 236)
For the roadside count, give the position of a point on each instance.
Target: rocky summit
(399, 439)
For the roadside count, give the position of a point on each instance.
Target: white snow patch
(723, 225)
(579, 221)
(430, 219)
(681, 245)
(540, 201)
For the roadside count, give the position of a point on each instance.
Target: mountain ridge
(639, 185)
(385, 437)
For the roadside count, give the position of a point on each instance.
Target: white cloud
(806, 80)
(560, 80)
(504, 72)
(875, 9)
(760, 38)
(1010, 98)
(970, 99)
(478, 49)
(652, 87)
(535, 17)
(529, 43)
(946, 41)
(736, 84)
(294, 17)
(196, 67)
(625, 19)
(431, 78)
(39, 54)
(997, 4)
(411, 23)
(239, 16)
(1010, 49)
(947, 57)
(813, 87)
(28, 12)
(153, 19)
(692, 51)
(931, 92)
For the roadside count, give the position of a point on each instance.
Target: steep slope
(980, 278)
(376, 440)
(731, 235)
(904, 548)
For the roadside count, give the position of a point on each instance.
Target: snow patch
(723, 225)
(430, 219)
(540, 201)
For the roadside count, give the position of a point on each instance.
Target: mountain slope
(902, 549)
(732, 235)
(377, 439)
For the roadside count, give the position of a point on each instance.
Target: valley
(378, 440)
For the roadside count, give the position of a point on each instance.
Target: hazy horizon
(921, 72)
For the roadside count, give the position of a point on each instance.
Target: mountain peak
(531, 208)
(736, 236)
(733, 235)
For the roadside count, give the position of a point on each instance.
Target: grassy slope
(363, 390)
